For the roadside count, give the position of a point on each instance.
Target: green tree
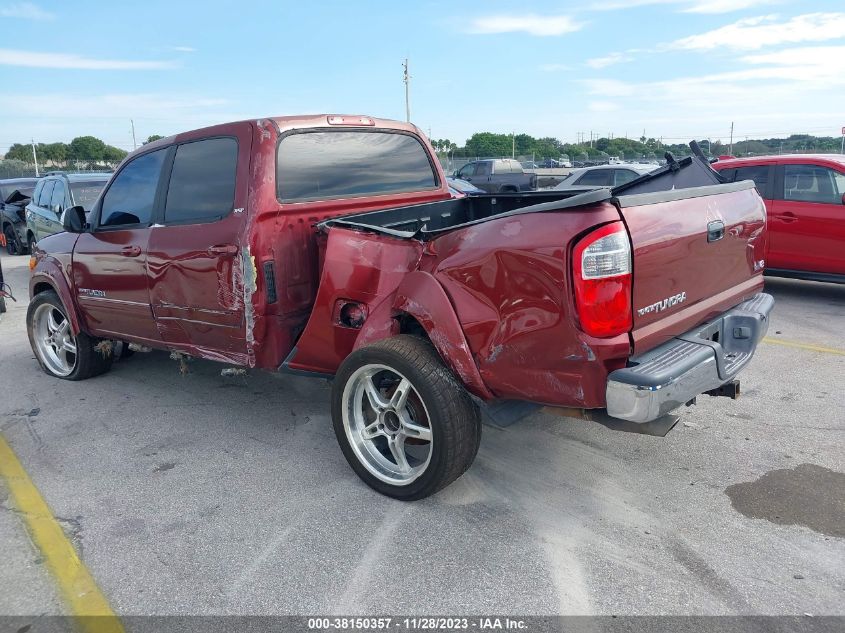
(113, 153)
(86, 148)
(20, 151)
(151, 138)
(56, 152)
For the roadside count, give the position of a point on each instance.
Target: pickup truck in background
(331, 246)
(501, 175)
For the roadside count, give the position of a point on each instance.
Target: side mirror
(57, 209)
(74, 220)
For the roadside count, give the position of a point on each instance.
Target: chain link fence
(20, 169)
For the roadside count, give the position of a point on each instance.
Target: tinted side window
(810, 183)
(597, 177)
(625, 175)
(758, 173)
(46, 193)
(467, 170)
(346, 164)
(202, 183)
(131, 195)
(36, 195)
(483, 169)
(58, 197)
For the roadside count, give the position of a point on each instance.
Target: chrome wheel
(387, 424)
(55, 344)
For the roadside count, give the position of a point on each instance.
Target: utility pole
(731, 150)
(34, 157)
(407, 81)
(134, 143)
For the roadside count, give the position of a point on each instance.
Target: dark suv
(15, 193)
(56, 192)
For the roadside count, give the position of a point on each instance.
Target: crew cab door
(807, 219)
(197, 259)
(109, 262)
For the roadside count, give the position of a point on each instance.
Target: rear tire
(406, 426)
(59, 352)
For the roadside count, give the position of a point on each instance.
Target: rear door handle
(130, 251)
(715, 231)
(223, 249)
(788, 216)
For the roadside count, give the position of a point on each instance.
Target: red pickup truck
(331, 246)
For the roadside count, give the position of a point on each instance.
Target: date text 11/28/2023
(417, 624)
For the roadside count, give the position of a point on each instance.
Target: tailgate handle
(715, 231)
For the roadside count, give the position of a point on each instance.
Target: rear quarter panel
(509, 281)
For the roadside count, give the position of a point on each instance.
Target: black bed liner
(686, 178)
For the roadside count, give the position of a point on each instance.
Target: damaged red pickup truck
(331, 246)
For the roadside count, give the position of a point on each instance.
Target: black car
(15, 194)
(56, 192)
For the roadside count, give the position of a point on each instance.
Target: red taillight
(601, 265)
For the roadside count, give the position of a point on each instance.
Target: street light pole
(407, 80)
(34, 158)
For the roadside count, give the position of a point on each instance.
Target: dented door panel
(202, 276)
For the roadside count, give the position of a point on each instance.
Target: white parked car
(604, 176)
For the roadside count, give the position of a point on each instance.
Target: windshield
(85, 193)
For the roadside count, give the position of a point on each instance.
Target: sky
(679, 69)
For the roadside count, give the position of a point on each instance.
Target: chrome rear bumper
(703, 359)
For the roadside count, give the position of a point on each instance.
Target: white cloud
(609, 60)
(10, 57)
(603, 106)
(724, 6)
(539, 25)
(759, 32)
(554, 68)
(686, 6)
(609, 87)
(183, 49)
(25, 11)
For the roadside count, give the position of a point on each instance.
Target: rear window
(85, 193)
(598, 177)
(346, 164)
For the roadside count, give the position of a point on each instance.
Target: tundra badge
(668, 302)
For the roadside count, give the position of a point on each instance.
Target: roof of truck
(299, 121)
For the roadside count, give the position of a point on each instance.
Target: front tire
(59, 352)
(406, 426)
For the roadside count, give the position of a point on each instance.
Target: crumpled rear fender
(422, 297)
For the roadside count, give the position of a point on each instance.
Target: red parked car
(331, 246)
(805, 201)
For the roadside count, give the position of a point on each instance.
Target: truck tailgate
(696, 252)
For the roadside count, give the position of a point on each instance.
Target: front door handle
(715, 231)
(223, 249)
(130, 251)
(788, 216)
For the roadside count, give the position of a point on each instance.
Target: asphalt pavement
(206, 494)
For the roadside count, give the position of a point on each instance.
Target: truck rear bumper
(703, 359)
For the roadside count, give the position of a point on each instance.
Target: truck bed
(425, 221)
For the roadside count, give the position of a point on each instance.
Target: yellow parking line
(812, 348)
(77, 586)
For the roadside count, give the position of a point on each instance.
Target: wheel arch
(420, 302)
(44, 281)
